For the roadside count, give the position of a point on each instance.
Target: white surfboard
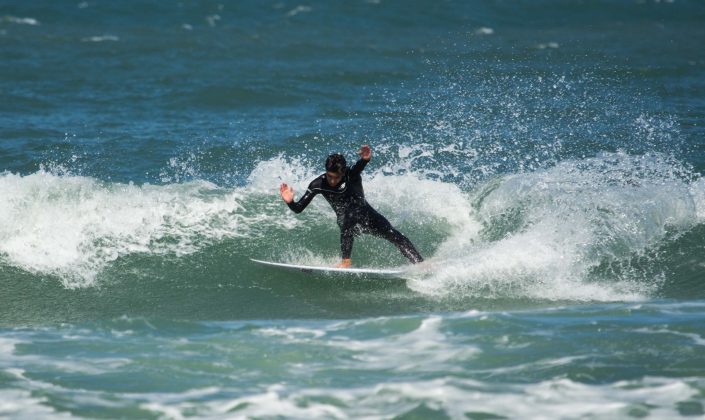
(373, 272)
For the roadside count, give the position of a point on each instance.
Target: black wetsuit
(354, 214)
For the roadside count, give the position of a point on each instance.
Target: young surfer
(341, 186)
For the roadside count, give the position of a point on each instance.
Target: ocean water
(546, 157)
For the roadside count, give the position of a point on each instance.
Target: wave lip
(582, 230)
(547, 233)
(73, 226)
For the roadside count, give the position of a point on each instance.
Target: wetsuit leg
(348, 230)
(346, 243)
(379, 226)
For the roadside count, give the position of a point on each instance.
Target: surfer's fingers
(286, 190)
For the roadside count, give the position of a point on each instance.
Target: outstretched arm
(365, 153)
(287, 194)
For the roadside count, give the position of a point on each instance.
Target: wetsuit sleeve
(358, 167)
(299, 206)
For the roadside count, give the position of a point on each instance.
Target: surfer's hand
(286, 192)
(365, 152)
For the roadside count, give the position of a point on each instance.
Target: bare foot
(346, 263)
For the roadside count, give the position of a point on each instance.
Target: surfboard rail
(383, 272)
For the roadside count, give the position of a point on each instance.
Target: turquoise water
(546, 157)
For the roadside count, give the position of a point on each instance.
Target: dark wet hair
(335, 163)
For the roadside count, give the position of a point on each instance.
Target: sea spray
(74, 226)
(540, 234)
(545, 233)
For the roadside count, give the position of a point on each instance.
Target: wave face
(73, 227)
(613, 227)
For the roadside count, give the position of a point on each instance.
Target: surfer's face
(333, 178)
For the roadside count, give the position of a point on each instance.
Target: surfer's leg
(347, 235)
(346, 243)
(379, 226)
(403, 244)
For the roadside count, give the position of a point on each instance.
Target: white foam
(265, 179)
(7, 347)
(484, 31)
(212, 20)
(432, 199)
(551, 45)
(74, 226)
(556, 398)
(299, 9)
(537, 234)
(267, 175)
(23, 407)
(101, 38)
(561, 223)
(272, 401)
(402, 196)
(695, 338)
(96, 366)
(21, 20)
(558, 223)
(697, 191)
(423, 349)
(18, 403)
(293, 334)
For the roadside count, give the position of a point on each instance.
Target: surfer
(341, 186)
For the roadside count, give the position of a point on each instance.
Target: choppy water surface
(546, 157)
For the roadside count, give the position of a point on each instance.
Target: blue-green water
(546, 157)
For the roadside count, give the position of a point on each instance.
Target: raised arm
(287, 194)
(365, 153)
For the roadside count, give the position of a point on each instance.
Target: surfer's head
(335, 168)
(335, 163)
